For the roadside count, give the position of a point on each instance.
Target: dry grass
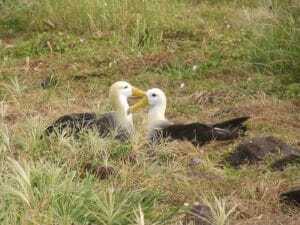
(200, 52)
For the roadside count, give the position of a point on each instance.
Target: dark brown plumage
(198, 133)
(72, 124)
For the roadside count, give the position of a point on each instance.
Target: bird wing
(71, 123)
(104, 125)
(107, 125)
(229, 124)
(199, 133)
(235, 127)
(196, 133)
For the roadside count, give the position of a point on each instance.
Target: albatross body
(118, 123)
(160, 128)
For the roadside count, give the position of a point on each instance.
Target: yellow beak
(139, 105)
(137, 92)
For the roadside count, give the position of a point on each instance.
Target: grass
(214, 59)
(220, 215)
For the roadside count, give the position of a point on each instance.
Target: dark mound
(256, 149)
(99, 171)
(198, 215)
(292, 159)
(291, 197)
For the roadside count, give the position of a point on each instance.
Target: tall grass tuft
(118, 206)
(220, 212)
(42, 193)
(22, 188)
(5, 139)
(15, 88)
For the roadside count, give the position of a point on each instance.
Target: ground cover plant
(214, 59)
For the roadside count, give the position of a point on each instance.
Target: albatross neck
(122, 107)
(156, 115)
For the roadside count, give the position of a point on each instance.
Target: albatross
(117, 123)
(160, 128)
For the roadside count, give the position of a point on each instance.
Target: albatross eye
(153, 95)
(125, 87)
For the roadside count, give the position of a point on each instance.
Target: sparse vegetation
(215, 60)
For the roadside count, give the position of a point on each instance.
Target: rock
(256, 149)
(199, 214)
(291, 197)
(101, 172)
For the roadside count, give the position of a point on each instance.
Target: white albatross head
(156, 100)
(119, 93)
